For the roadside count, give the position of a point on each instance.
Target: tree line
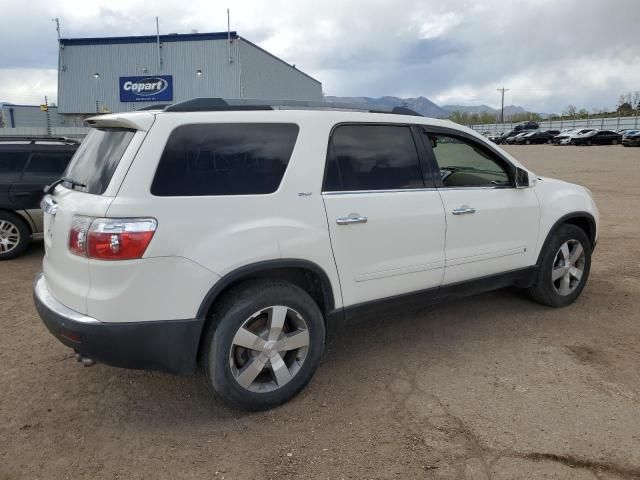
(628, 106)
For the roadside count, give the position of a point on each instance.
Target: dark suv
(27, 165)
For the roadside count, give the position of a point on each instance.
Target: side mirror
(522, 178)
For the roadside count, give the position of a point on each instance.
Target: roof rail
(239, 104)
(157, 106)
(34, 139)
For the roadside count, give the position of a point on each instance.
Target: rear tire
(563, 269)
(614, 142)
(250, 360)
(14, 235)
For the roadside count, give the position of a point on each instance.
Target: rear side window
(372, 157)
(12, 164)
(98, 157)
(50, 164)
(225, 159)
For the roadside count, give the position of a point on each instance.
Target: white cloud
(548, 53)
(28, 85)
(439, 24)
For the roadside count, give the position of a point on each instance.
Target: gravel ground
(492, 386)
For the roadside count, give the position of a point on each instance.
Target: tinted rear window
(372, 157)
(224, 159)
(98, 157)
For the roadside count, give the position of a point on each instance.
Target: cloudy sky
(549, 53)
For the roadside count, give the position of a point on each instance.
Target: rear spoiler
(135, 120)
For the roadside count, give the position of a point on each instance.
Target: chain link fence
(601, 123)
(69, 132)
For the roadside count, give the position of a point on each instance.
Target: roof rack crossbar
(239, 104)
(34, 139)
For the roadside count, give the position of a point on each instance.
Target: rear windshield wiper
(49, 189)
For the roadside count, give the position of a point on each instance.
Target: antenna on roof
(229, 33)
(158, 44)
(57, 20)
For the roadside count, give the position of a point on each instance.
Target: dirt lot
(492, 386)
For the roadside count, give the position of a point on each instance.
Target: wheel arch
(305, 274)
(23, 216)
(583, 220)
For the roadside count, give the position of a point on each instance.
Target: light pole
(502, 90)
(96, 77)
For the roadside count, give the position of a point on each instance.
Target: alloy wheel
(9, 236)
(568, 267)
(269, 349)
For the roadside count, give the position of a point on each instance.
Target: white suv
(234, 236)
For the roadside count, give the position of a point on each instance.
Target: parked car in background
(535, 137)
(564, 134)
(233, 239)
(530, 125)
(597, 137)
(495, 138)
(631, 138)
(553, 133)
(502, 138)
(565, 138)
(512, 140)
(27, 165)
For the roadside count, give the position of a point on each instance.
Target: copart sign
(146, 89)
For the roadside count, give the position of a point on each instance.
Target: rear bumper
(168, 346)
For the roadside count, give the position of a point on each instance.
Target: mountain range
(424, 106)
(508, 109)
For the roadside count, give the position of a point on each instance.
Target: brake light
(78, 235)
(111, 238)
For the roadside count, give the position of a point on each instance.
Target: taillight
(112, 238)
(78, 235)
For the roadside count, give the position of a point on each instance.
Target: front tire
(14, 235)
(564, 268)
(264, 343)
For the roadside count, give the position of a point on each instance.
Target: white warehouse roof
(127, 73)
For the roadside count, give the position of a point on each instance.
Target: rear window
(224, 159)
(98, 157)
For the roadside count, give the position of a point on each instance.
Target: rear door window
(225, 159)
(372, 157)
(97, 158)
(47, 164)
(11, 165)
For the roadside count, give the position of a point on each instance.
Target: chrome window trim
(429, 189)
(397, 190)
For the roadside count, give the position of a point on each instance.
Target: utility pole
(502, 90)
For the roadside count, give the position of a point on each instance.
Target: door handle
(352, 218)
(463, 210)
